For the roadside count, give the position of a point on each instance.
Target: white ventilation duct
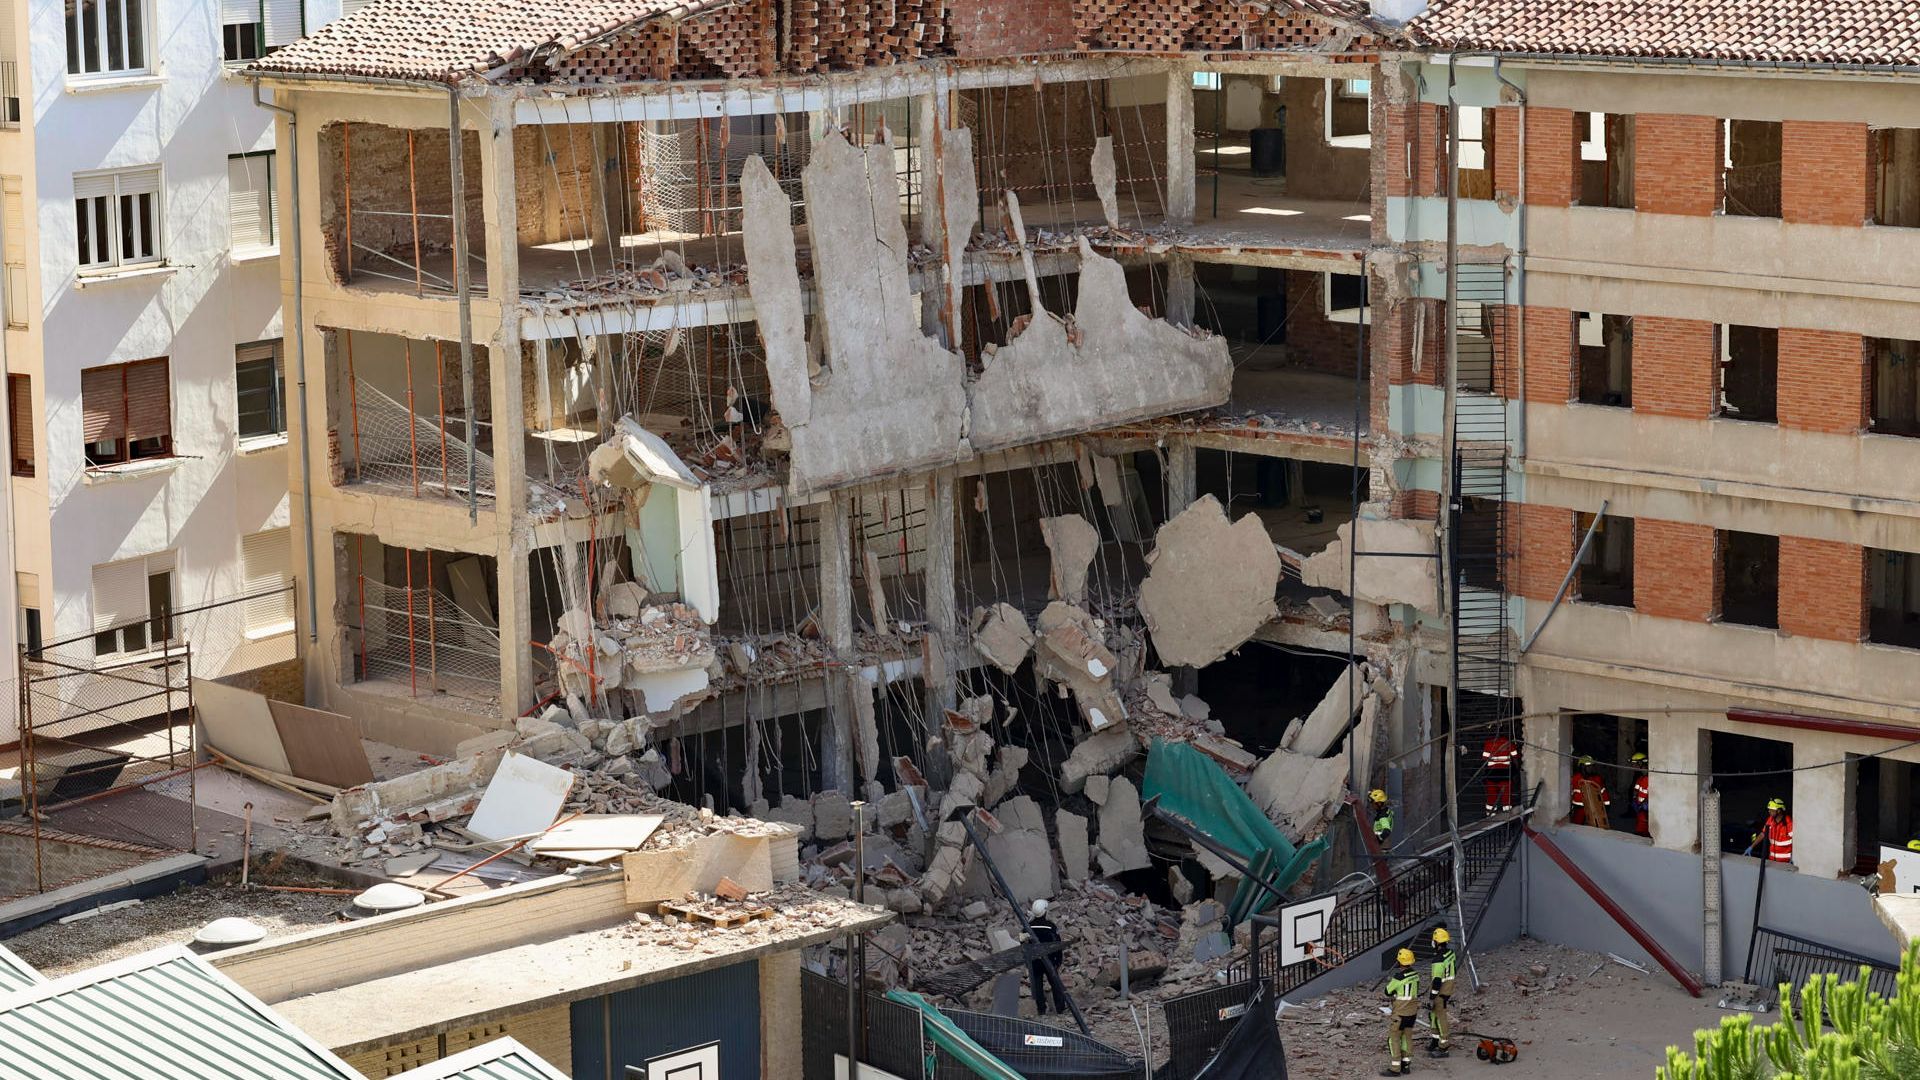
(227, 933)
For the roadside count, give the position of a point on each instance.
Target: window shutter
(284, 20)
(15, 222)
(239, 11)
(95, 186)
(102, 404)
(138, 181)
(149, 405)
(267, 558)
(28, 585)
(119, 594)
(348, 7)
(20, 423)
(249, 200)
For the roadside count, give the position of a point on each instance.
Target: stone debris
(1414, 581)
(1315, 735)
(1097, 755)
(1073, 543)
(1002, 637)
(1123, 844)
(1210, 585)
(1071, 651)
(1299, 792)
(1075, 855)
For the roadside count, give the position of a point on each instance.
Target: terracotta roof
(447, 40)
(1813, 32)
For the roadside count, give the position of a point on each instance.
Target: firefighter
(1382, 816)
(1588, 783)
(1498, 754)
(1640, 794)
(1446, 965)
(1044, 932)
(1403, 993)
(1776, 833)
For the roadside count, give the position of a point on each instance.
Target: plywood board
(524, 796)
(590, 832)
(469, 581)
(238, 724)
(321, 746)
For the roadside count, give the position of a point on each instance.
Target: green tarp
(955, 1042)
(1193, 786)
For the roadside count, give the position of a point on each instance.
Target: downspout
(1519, 277)
(1445, 524)
(299, 360)
(463, 290)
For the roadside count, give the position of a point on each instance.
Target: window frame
(136, 35)
(1597, 320)
(20, 399)
(1362, 315)
(235, 244)
(277, 407)
(125, 453)
(150, 630)
(115, 237)
(1340, 90)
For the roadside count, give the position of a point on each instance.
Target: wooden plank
(321, 746)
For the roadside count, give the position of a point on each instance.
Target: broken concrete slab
(889, 400)
(1123, 843)
(1325, 725)
(456, 784)
(634, 458)
(1022, 852)
(1073, 542)
(1097, 754)
(1414, 581)
(1104, 181)
(1210, 586)
(1299, 793)
(1068, 650)
(1111, 364)
(523, 797)
(1002, 637)
(1075, 856)
(1097, 786)
(832, 817)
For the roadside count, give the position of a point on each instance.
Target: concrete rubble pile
(668, 274)
(634, 639)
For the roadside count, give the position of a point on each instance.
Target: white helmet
(1039, 908)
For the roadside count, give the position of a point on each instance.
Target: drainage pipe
(1615, 911)
(463, 290)
(1519, 277)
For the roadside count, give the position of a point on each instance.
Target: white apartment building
(146, 393)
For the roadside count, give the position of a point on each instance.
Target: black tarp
(1252, 1050)
(1043, 1052)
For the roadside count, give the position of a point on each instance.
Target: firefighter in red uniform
(1776, 833)
(1640, 795)
(1498, 754)
(1587, 782)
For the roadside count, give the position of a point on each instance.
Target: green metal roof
(15, 973)
(501, 1059)
(162, 1015)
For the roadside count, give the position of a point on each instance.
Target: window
(1344, 298)
(1749, 370)
(1893, 592)
(133, 604)
(1894, 367)
(20, 423)
(126, 412)
(106, 37)
(261, 392)
(1206, 80)
(267, 560)
(243, 30)
(253, 204)
(1896, 189)
(1750, 563)
(1476, 156)
(27, 589)
(1750, 168)
(1606, 569)
(117, 217)
(1605, 346)
(13, 222)
(1606, 159)
(1348, 113)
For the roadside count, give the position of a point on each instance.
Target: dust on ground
(57, 949)
(1586, 1016)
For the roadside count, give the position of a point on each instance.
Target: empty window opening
(1477, 327)
(1750, 168)
(1606, 159)
(1605, 344)
(1480, 552)
(1476, 152)
(1601, 794)
(1344, 298)
(1749, 373)
(1896, 188)
(1893, 597)
(1750, 564)
(1748, 772)
(424, 621)
(1347, 116)
(1606, 570)
(1887, 805)
(1894, 367)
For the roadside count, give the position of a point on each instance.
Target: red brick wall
(1675, 369)
(1823, 588)
(1823, 173)
(1676, 569)
(1824, 381)
(1540, 540)
(1314, 342)
(1676, 168)
(997, 28)
(1398, 324)
(1549, 345)
(1552, 178)
(1416, 505)
(1413, 151)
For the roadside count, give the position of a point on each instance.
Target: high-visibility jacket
(1499, 752)
(1404, 991)
(1580, 782)
(1640, 792)
(1445, 968)
(1778, 834)
(1383, 822)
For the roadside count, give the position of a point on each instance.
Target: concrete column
(1183, 478)
(1673, 802)
(1180, 290)
(943, 615)
(1549, 739)
(836, 629)
(1820, 803)
(1180, 177)
(513, 533)
(780, 1015)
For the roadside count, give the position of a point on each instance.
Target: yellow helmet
(1440, 935)
(1405, 957)
(1776, 804)
(1583, 761)
(1639, 758)
(1913, 845)
(1378, 795)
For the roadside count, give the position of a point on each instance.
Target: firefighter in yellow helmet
(1403, 993)
(1446, 966)
(1382, 815)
